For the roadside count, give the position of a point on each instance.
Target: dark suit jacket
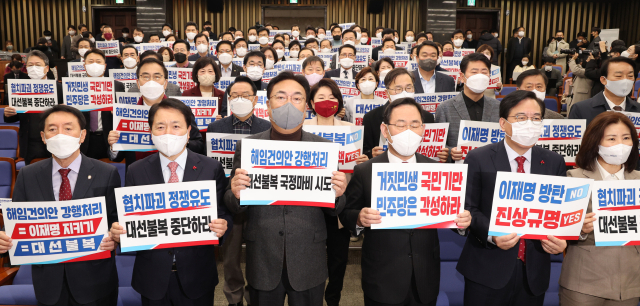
(526, 45)
(335, 73)
(196, 264)
(107, 118)
(88, 280)
(386, 268)
(483, 262)
(590, 108)
(11, 76)
(225, 125)
(235, 69)
(372, 121)
(274, 234)
(195, 92)
(260, 85)
(444, 83)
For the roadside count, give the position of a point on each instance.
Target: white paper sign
(617, 207)
(399, 60)
(88, 94)
(563, 136)
(204, 109)
(76, 70)
(128, 98)
(463, 52)
(431, 101)
(31, 96)
(360, 107)
(128, 77)
(110, 48)
(347, 87)
(451, 64)
(224, 82)
(222, 147)
(131, 121)
(474, 134)
(260, 110)
(181, 77)
(349, 138)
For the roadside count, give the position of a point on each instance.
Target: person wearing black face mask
(207, 27)
(430, 80)
(180, 52)
(336, 32)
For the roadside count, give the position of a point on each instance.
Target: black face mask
(559, 38)
(180, 57)
(207, 29)
(336, 37)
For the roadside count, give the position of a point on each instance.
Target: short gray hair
(39, 54)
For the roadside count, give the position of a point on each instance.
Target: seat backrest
(507, 90)
(8, 141)
(451, 244)
(23, 277)
(558, 67)
(124, 265)
(570, 74)
(7, 177)
(551, 104)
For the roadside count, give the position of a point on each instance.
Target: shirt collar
(470, 102)
(74, 166)
(512, 154)
(604, 173)
(181, 160)
(433, 78)
(611, 104)
(396, 160)
(237, 121)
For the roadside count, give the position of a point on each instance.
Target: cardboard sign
(563, 136)
(289, 172)
(56, 231)
(534, 206)
(349, 138)
(617, 207)
(204, 109)
(222, 147)
(76, 70)
(88, 94)
(418, 195)
(167, 215)
(31, 96)
(110, 48)
(131, 121)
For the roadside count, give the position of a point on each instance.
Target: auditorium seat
(9, 143)
(7, 177)
(507, 90)
(551, 103)
(21, 291)
(126, 294)
(122, 167)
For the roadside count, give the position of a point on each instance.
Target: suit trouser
(276, 297)
(515, 293)
(66, 298)
(412, 299)
(234, 284)
(574, 298)
(337, 258)
(175, 296)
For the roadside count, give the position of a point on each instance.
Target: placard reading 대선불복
(88, 94)
(131, 122)
(222, 147)
(31, 96)
(535, 206)
(418, 195)
(56, 231)
(289, 172)
(617, 207)
(349, 138)
(167, 215)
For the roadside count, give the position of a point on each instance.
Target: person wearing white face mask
(606, 154)
(205, 74)
(536, 81)
(263, 37)
(271, 57)
(138, 35)
(190, 31)
(152, 84)
(470, 104)
(618, 77)
(399, 84)
(170, 124)
(202, 46)
(409, 36)
(393, 284)
(386, 33)
(346, 55)
(66, 43)
(367, 82)
(81, 48)
(70, 175)
(518, 47)
(523, 264)
(457, 38)
(224, 49)
(29, 139)
(488, 52)
(129, 56)
(254, 66)
(471, 43)
(167, 29)
(554, 76)
(240, 48)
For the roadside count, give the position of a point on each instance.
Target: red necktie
(174, 176)
(522, 248)
(65, 187)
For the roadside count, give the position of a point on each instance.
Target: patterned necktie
(346, 74)
(93, 121)
(174, 176)
(65, 188)
(523, 245)
(617, 108)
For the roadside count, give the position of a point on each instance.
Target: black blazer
(225, 125)
(222, 109)
(107, 119)
(590, 108)
(335, 73)
(526, 45)
(235, 69)
(371, 123)
(444, 83)
(483, 262)
(391, 257)
(196, 264)
(88, 280)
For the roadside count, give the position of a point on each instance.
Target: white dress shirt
(606, 176)
(430, 85)
(349, 73)
(56, 177)
(611, 104)
(164, 165)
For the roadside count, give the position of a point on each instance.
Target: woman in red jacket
(205, 74)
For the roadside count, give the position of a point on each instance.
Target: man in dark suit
(386, 33)
(185, 275)
(224, 50)
(92, 282)
(15, 74)
(286, 253)
(518, 47)
(402, 280)
(202, 45)
(29, 138)
(618, 77)
(242, 121)
(347, 55)
(494, 267)
(426, 79)
(400, 84)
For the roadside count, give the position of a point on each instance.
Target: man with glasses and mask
(283, 258)
(181, 54)
(470, 104)
(507, 270)
(152, 81)
(225, 54)
(347, 55)
(431, 81)
(399, 84)
(242, 100)
(403, 280)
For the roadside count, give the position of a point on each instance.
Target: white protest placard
(327, 58)
(349, 138)
(407, 46)
(381, 93)
(204, 109)
(238, 62)
(474, 134)
(128, 98)
(412, 66)
(346, 26)
(398, 52)
(361, 107)
(617, 207)
(454, 74)
(169, 64)
(495, 77)
(635, 118)
(376, 42)
(433, 140)
(295, 67)
(31, 96)
(128, 77)
(534, 206)
(131, 121)
(76, 70)
(289, 172)
(418, 195)
(451, 64)
(347, 87)
(563, 136)
(430, 102)
(224, 82)
(150, 46)
(254, 47)
(88, 94)
(399, 60)
(56, 231)
(181, 77)
(222, 147)
(260, 110)
(463, 52)
(167, 215)
(212, 47)
(110, 48)
(4, 200)
(267, 75)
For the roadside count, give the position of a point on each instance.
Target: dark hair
(305, 49)
(485, 47)
(595, 29)
(605, 66)
(139, 30)
(16, 57)
(200, 35)
(528, 73)
(318, 30)
(310, 41)
(617, 49)
(593, 135)
(161, 50)
(428, 43)
(288, 75)
(457, 31)
(394, 74)
(273, 53)
(402, 101)
(191, 23)
(513, 99)
(127, 47)
(280, 42)
(310, 60)
(255, 53)
(150, 53)
(262, 29)
(335, 90)
(71, 27)
(235, 43)
(484, 32)
(310, 28)
(279, 35)
(548, 59)
(376, 67)
(227, 33)
(152, 60)
(16, 64)
(583, 34)
(62, 108)
(224, 42)
(202, 63)
(347, 46)
(364, 71)
(168, 25)
(91, 45)
(207, 23)
(349, 31)
(171, 103)
(294, 43)
(125, 30)
(473, 57)
(387, 31)
(243, 79)
(154, 34)
(388, 39)
(95, 51)
(618, 43)
(447, 43)
(407, 31)
(421, 35)
(180, 41)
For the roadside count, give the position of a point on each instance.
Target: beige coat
(607, 272)
(581, 85)
(562, 58)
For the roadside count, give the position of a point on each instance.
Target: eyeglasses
(347, 55)
(522, 119)
(147, 77)
(401, 124)
(295, 98)
(399, 89)
(244, 96)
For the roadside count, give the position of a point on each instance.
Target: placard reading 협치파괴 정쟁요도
(31, 96)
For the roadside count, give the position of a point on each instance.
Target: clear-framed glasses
(522, 118)
(295, 98)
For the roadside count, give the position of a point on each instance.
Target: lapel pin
(89, 177)
(542, 162)
(194, 168)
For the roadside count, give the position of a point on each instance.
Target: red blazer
(195, 92)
